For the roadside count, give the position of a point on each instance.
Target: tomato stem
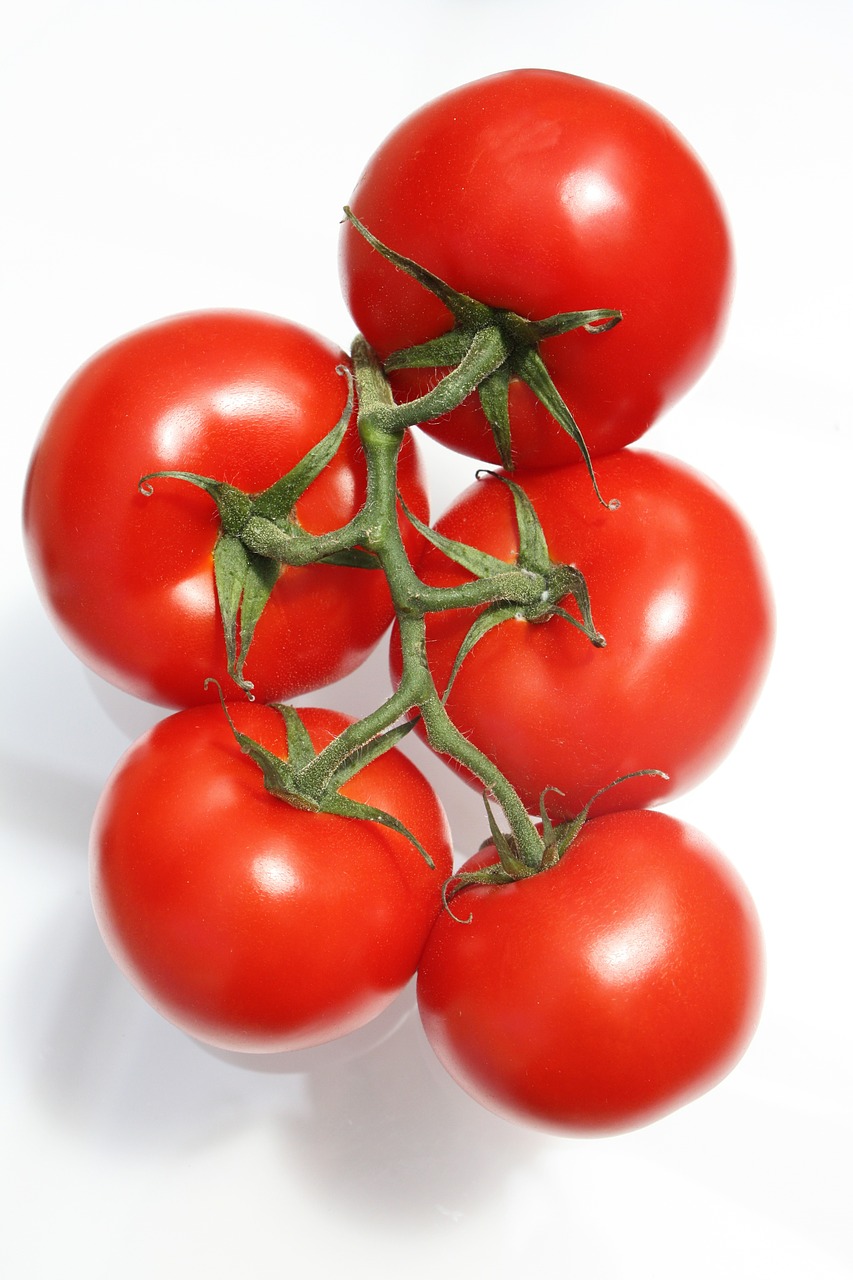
(487, 348)
(382, 433)
(260, 533)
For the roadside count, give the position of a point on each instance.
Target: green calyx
(533, 588)
(289, 779)
(515, 863)
(513, 340)
(261, 537)
(260, 533)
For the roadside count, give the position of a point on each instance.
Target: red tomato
(251, 924)
(604, 992)
(128, 579)
(679, 592)
(540, 193)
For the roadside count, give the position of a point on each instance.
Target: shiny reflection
(192, 595)
(173, 430)
(588, 194)
(272, 875)
(241, 401)
(665, 615)
(632, 950)
(248, 400)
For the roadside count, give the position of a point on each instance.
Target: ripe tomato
(540, 193)
(678, 590)
(251, 924)
(128, 579)
(604, 992)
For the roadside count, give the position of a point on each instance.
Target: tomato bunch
(225, 511)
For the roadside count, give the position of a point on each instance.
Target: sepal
(521, 360)
(244, 583)
(282, 778)
(255, 529)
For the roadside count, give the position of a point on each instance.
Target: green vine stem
(260, 535)
(382, 431)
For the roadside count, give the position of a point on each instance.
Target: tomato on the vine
(128, 579)
(541, 193)
(604, 992)
(678, 590)
(250, 923)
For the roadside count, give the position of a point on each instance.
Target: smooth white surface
(155, 158)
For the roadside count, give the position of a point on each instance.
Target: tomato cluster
(225, 511)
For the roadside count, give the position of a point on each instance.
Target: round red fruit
(128, 579)
(249, 923)
(604, 992)
(679, 591)
(542, 193)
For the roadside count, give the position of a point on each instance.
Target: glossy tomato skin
(251, 924)
(128, 579)
(603, 993)
(678, 589)
(541, 192)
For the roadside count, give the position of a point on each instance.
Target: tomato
(604, 992)
(249, 923)
(542, 193)
(128, 579)
(679, 591)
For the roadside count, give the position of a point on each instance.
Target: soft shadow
(104, 1064)
(371, 1119)
(57, 712)
(333, 1055)
(390, 1137)
(131, 716)
(44, 805)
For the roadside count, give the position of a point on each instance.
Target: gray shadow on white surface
(107, 1067)
(392, 1139)
(57, 714)
(369, 1123)
(57, 746)
(44, 805)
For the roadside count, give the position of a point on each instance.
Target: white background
(177, 154)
